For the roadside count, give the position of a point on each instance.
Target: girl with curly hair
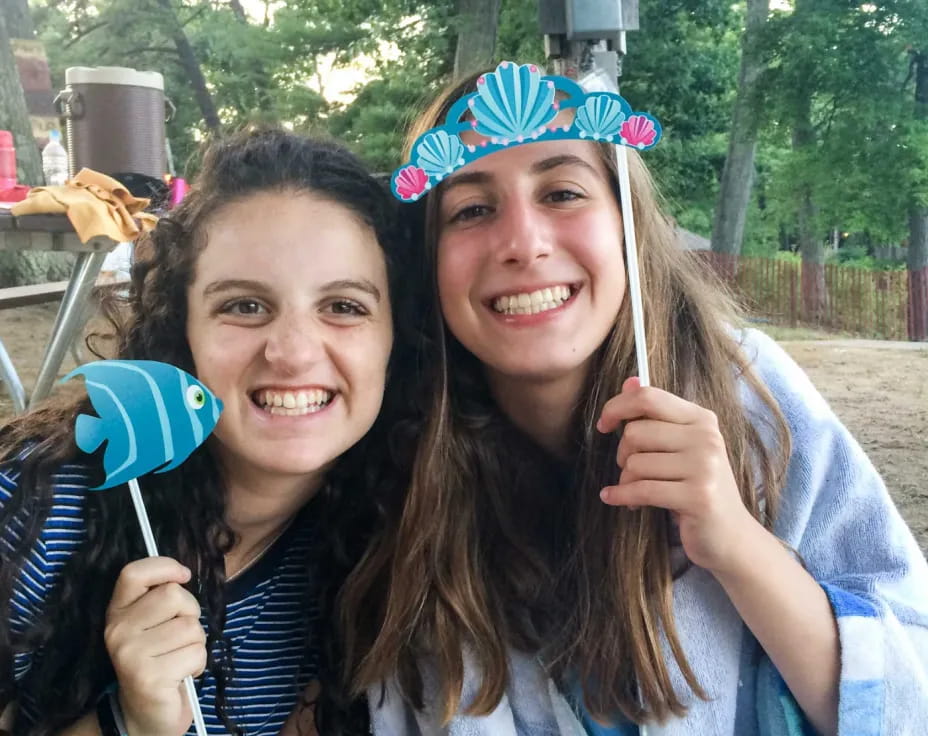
(275, 283)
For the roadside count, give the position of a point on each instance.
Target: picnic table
(49, 233)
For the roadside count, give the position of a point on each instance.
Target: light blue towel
(836, 513)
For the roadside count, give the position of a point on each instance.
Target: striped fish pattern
(152, 415)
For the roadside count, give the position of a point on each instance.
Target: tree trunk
(478, 21)
(811, 247)
(32, 63)
(192, 69)
(14, 115)
(738, 173)
(23, 267)
(238, 10)
(813, 264)
(917, 259)
(18, 19)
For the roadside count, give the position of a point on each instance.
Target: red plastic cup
(7, 160)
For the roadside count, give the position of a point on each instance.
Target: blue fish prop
(151, 415)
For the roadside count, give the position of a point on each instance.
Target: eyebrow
(360, 284)
(564, 159)
(233, 285)
(539, 167)
(218, 287)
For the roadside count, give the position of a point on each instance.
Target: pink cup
(178, 190)
(7, 160)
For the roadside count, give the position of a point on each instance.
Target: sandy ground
(878, 389)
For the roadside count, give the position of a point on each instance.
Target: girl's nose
(294, 344)
(522, 236)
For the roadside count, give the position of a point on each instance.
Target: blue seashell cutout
(512, 103)
(438, 153)
(600, 117)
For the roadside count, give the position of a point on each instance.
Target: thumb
(631, 383)
(612, 414)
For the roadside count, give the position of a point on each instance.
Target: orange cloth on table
(95, 203)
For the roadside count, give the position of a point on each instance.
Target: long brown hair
(487, 551)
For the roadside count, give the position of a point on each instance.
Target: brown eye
(564, 195)
(470, 212)
(243, 307)
(347, 307)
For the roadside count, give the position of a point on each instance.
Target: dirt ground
(878, 389)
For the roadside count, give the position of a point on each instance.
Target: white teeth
(532, 303)
(293, 403)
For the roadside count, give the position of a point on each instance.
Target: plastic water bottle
(7, 160)
(54, 161)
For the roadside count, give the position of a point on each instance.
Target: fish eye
(196, 397)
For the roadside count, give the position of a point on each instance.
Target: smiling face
(530, 267)
(289, 324)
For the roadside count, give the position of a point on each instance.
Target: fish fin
(170, 465)
(79, 371)
(89, 432)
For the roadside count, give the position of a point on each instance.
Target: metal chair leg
(70, 314)
(14, 386)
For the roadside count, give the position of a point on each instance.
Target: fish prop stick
(151, 416)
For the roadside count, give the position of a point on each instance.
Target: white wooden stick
(631, 262)
(142, 514)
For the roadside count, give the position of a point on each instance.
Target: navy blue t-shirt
(266, 616)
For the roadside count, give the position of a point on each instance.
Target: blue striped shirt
(265, 610)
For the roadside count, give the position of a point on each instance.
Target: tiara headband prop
(516, 104)
(512, 105)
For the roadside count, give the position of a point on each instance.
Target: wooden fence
(877, 304)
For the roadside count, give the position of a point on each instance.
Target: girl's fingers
(650, 403)
(138, 577)
(165, 672)
(650, 435)
(188, 661)
(132, 648)
(161, 603)
(152, 652)
(171, 636)
(665, 494)
(655, 466)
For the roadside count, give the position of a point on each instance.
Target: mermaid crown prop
(512, 105)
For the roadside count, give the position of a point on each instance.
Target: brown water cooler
(114, 120)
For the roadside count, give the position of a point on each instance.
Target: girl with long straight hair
(577, 553)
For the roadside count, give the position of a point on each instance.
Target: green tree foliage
(867, 161)
(868, 151)
(376, 121)
(682, 66)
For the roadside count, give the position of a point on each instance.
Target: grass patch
(788, 334)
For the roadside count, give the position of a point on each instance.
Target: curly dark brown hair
(187, 505)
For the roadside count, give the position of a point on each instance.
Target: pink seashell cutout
(411, 181)
(638, 131)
